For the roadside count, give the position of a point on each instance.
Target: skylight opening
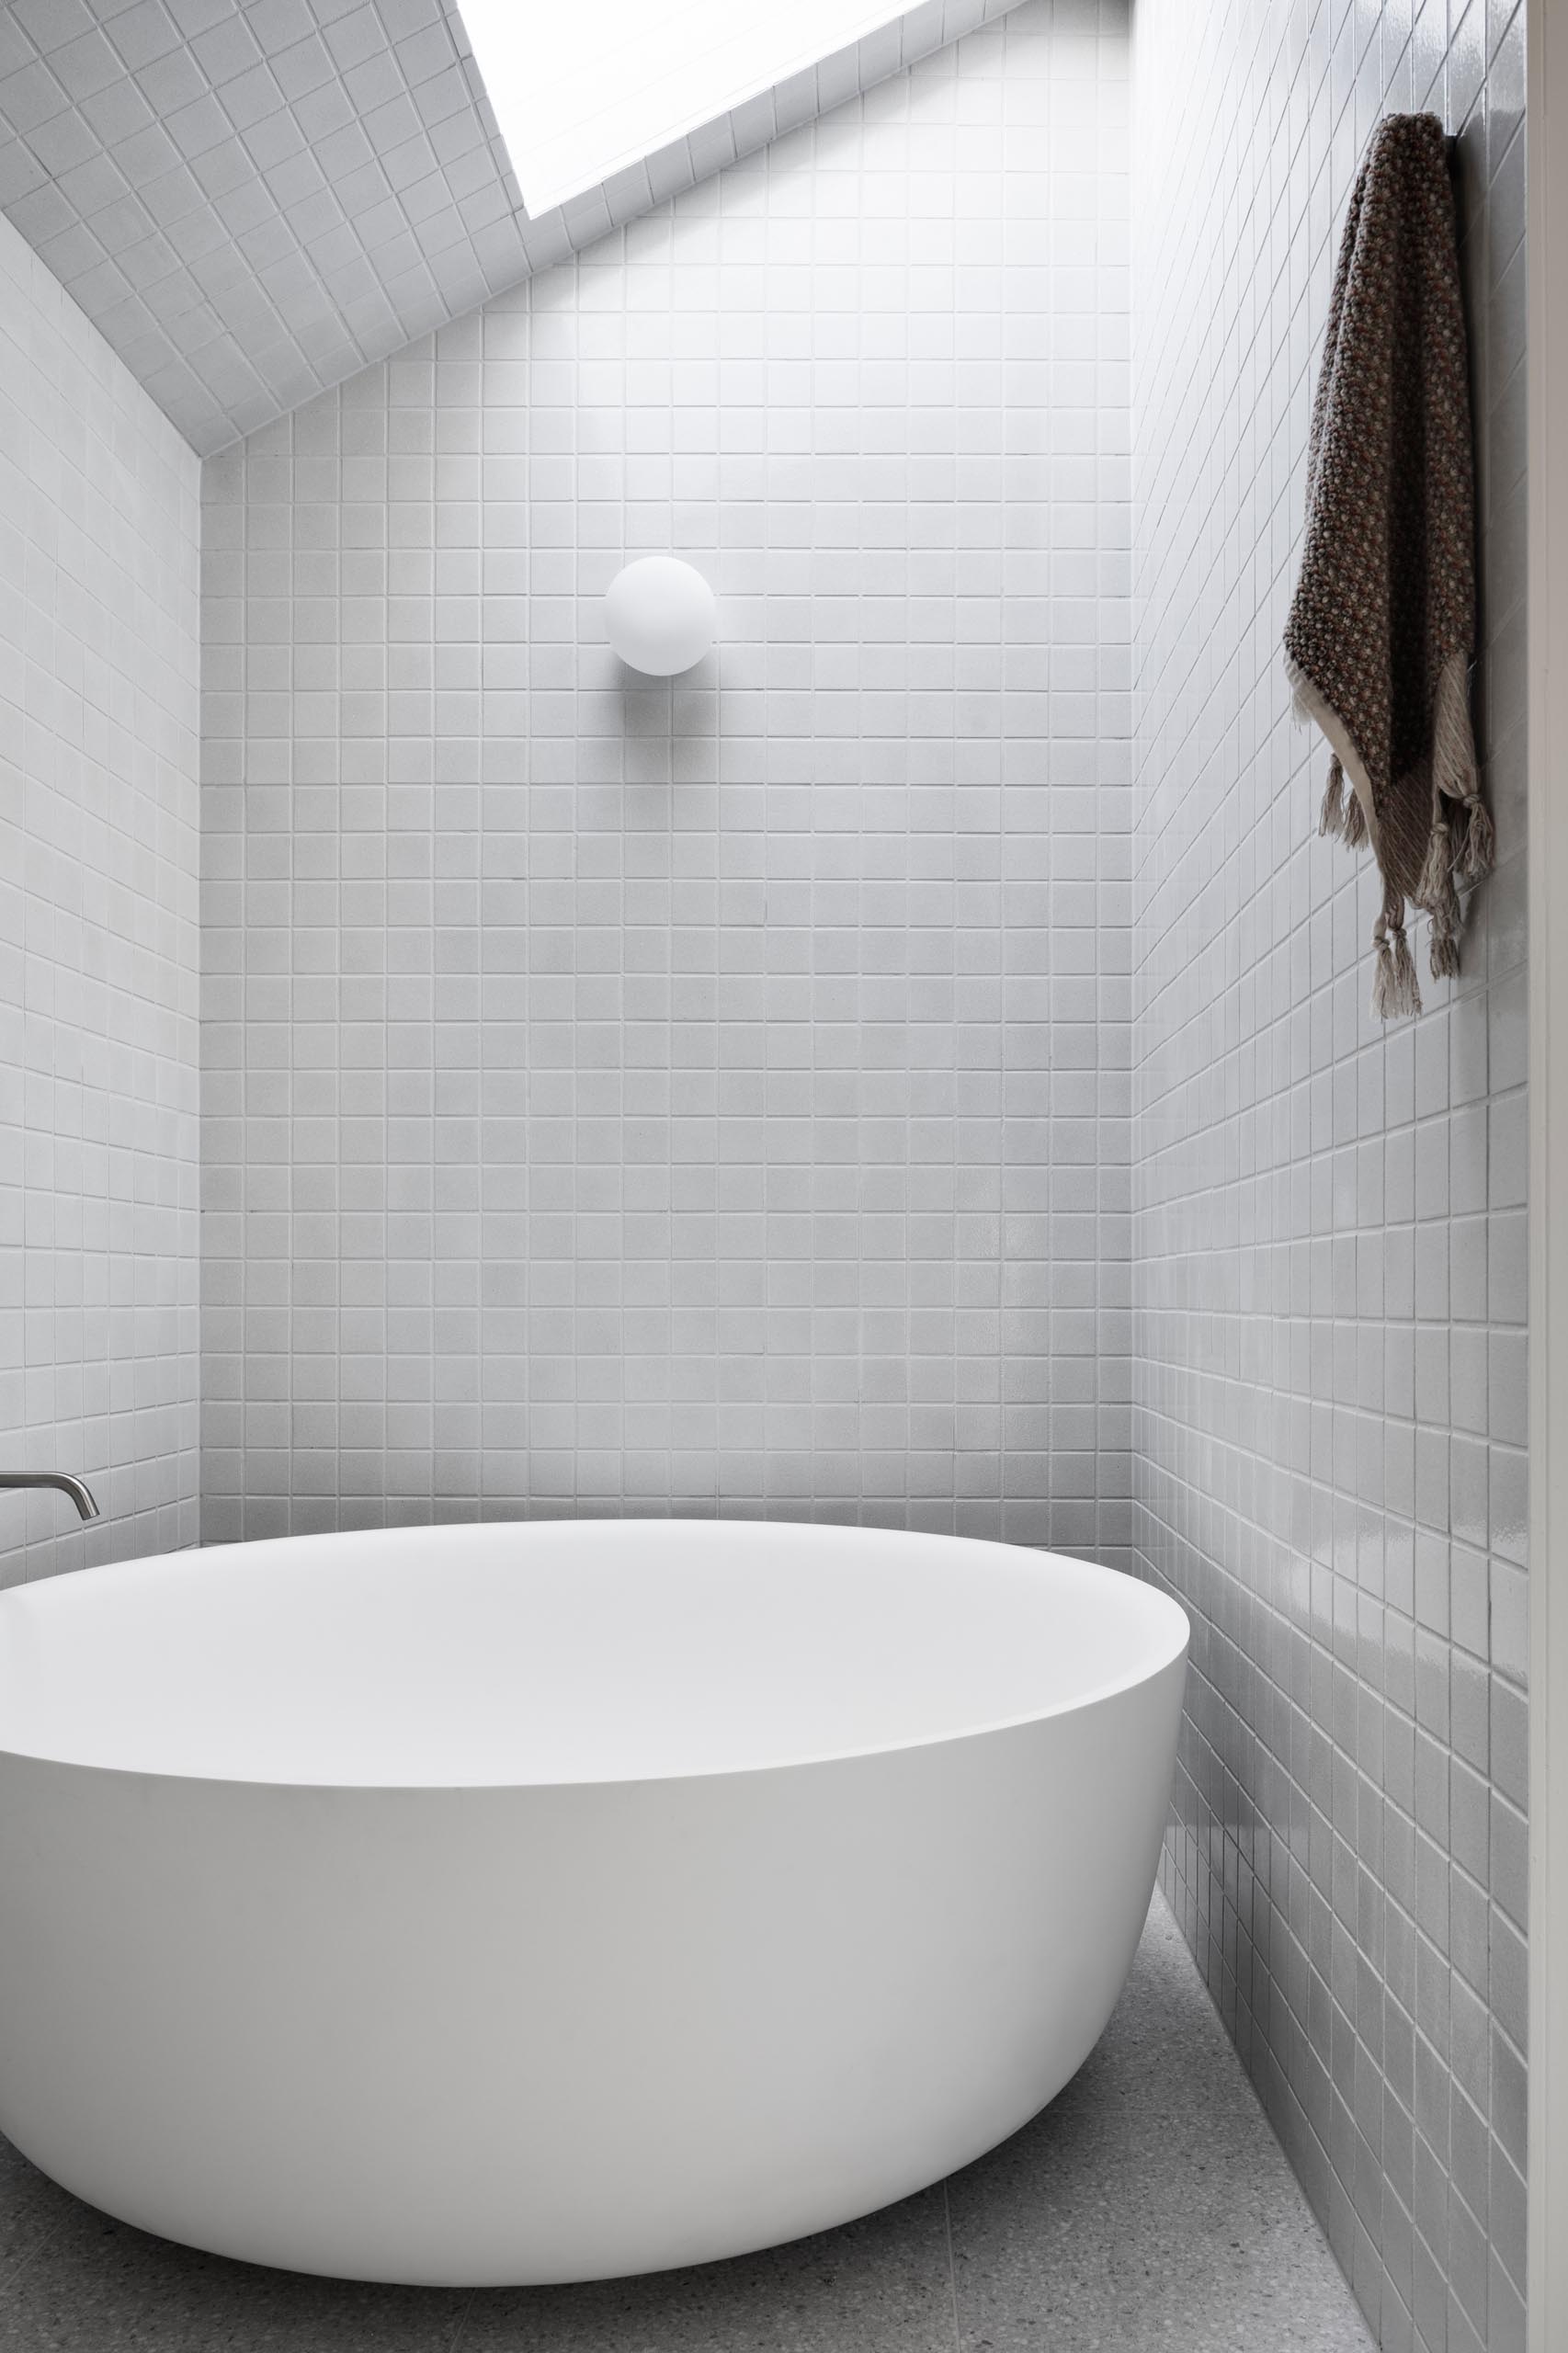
(582, 90)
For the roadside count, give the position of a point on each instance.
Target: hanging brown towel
(1382, 630)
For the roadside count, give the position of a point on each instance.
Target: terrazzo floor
(1149, 2206)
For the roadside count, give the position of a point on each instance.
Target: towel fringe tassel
(1455, 777)
(1342, 817)
(1480, 842)
(1436, 892)
(1331, 816)
(1394, 987)
(1436, 887)
(1444, 957)
(1458, 853)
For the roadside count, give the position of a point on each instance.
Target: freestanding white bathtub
(538, 1902)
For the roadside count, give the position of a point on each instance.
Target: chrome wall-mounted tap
(80, 1495)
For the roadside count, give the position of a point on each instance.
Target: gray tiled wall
(1329, 1330)
(99, 646)
(620, 1097)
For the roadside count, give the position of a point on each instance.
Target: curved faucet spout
(80, 1494)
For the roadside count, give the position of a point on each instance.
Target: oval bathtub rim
(768, 1768)
(1172, 1653)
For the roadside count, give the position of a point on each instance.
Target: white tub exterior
(523, 1903)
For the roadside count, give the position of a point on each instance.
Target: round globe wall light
(659, 615)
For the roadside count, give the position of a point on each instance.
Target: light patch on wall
(586, 90)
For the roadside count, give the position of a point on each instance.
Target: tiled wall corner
(99, 692)
(620, 1097)
(1330, 1320)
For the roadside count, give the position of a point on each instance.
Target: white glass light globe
(659, 615)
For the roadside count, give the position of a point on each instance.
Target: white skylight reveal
(583, 88)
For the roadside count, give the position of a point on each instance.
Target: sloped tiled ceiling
(253, 198)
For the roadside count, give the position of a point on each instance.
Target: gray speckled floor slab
(1149, 2206)
(880, 2286)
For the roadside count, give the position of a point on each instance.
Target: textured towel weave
(1381, 630)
